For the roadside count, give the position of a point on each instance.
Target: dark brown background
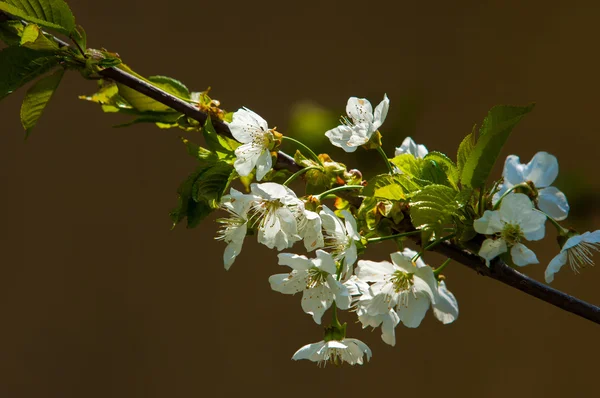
(99, 298)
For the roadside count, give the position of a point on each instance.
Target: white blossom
(234, 228)
(542, 170)
(341, 237)
(310, 228)
(578, 251)
(315, 279)
(275, 212)
(257, 139)
(410, 146)
(515, 221)
(351, 351)
(361, 123)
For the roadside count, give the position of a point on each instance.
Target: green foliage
(434, 207)
(464, 151)
(494, 132)
(441, 162)
(11, 32)
(224, 147)
(144, 103)
(33, 38)
(386, 186)
(20, 65)
(423, 172)
(51, 14)
(37, 98)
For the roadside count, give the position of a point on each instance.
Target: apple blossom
(361, 123)
(341, 237)
(515, 221)
(542, 170)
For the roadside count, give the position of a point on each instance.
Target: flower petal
(513, 171)
(489, 224)
(340, 292)
(403, 260)
(410, 146)
(445, 307)
(246, 157)
(522, 255)
(340, 136)
(381, 112)
(371, 271)
(316, 301)
(263, 164)
(295, 261)
(291, 283)
(554, 203)
(388, 326)
(533, 225)
(309, 352)
(359, 110)
(492, 248)
(513, 208)
(555, 265)
(413, 313)
(325, 262)
(234, 247)
(542, 170)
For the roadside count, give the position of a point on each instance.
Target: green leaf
(212, 184)
(423, 172)
(385, 186)
(464, 150)
(433, 208)
(202, 154)
(37, 98)
(51, 14)
(20, 65)
(223, 146)
(188, 207)
(162, 120)
(494, 132)
(10, 32)
(34, 38)
(443, 163)
(144, 103)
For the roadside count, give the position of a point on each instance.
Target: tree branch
(498, 270)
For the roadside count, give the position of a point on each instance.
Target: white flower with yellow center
(275, 214)
(347, 350)
(234, 228)
(515, 221)
(257, 139)
(361, 123)
(340, 237)
(578, 251)
(315, 279)
(542, 170)
(410, 146)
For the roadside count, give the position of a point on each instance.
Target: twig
(498, 270)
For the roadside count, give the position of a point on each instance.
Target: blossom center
(512, 233)
(402, 281)
(316, 277)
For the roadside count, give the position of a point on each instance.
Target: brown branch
(498, 270)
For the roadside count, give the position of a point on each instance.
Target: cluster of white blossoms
(381, 294)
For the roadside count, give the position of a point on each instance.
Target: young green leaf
(20, 65)
(212, 184)
(433, 208)
(35, 39)
(464, 151)
(385, 186)
(424, 172)
(144, 103)
(223, 146)
(37, 98)
(51, 14)
(494, 132)
(188, 207)
(11, 32)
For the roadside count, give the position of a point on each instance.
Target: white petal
(340, 136)
(295, 261)
(541, 170)
(513, 207)
(244, 125)
(271, 191)
(513, 171)
(332, 224)
(246, 157)
(350, 223)
(388, 326)
(312, 233)
(410, 146)
(412, 315)
(381, 112)
(533, 225)
(233, 249)
(522, 255)
(325, 262)
(358, 350)
(371, 271)
(340, 292)
(316, 301)
(359, 110)
(492, 248)
(309, 352)
(263, 164)
(361, 134)
(554, 203)
(489, 224)
(425, 282)
(555, 266)
(291, 283)
(404, 262)
(445, 308)
(350, 256)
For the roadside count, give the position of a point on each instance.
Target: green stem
(481, 202)
(511, 189)
(337, 189)
(432, 245)
(439, 269)
(559, 228)
(382, 238)
(310, 151)
(299, 173)
(385, 158)
(334, 319)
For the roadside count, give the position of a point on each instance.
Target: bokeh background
(100, 298)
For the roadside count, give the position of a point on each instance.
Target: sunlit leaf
(37, 98)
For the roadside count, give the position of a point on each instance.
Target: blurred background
(99, 298)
